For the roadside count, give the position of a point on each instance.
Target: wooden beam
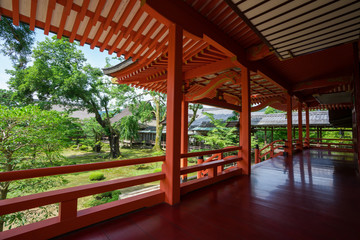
(65, 14)
(258, 52)
(356, 108)
(50, 9)
(214, 84)
(173, 12)
(210, 68)
(300, 129)
(171, 184)
(79, 18)
(184, 134)
(307, 119)
(320, 83)
(289, 124)
(245, 122)
(33, 14)
(15, 12)
(218, 103)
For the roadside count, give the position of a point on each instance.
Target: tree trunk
(114, 145)
(159, 127)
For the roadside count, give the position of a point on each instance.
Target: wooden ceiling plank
(98, 11)
(133, 22)
(79, 18)
(136, 44)
(92, 23)
(111, 14)
(219, 8)
(33, 14)
(142, 27)
(125, 14)
(107, 40)
(150, 43)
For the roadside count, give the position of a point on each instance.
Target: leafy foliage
(29, 138)
(270, 110)
(128, 128)
(60, 75)
(220, 136)
(16, 42)
(104, 198)
(96, 176)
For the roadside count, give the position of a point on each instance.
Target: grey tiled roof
(117, 117)
(317, 118)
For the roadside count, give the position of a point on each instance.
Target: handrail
(273, 147)
(210, 152)
(41, 172)
(332, 139)
(208, 165)
(40, 199)
(271, 144)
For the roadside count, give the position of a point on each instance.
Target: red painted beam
(171, 166)
(321, 83)
(41, 199)
(218, 103)
(15, 12)
(210, 68)
(41, 172)
(289, 123)
(184, 134)
(65, 14)
(50, 9)
(33, 14)
(245, 122)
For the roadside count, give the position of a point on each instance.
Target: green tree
(21, 131)
(270, 110)
(194, 108)
(6, 98)
(93, 132)
(129, 127)
(220, 136)
(16, 42)
(60, 75)
(148, 110)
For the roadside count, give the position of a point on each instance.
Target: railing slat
(203, 153)
(41, 199)
(42, 172)
(207, 165)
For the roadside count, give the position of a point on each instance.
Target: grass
(81, 157)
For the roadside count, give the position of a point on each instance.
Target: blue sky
(93, 56)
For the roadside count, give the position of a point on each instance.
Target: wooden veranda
(311, 196)
(235, 54)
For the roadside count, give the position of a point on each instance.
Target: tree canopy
(60, 75)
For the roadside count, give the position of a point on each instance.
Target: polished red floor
(314, 196)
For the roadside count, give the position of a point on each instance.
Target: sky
(94, 57)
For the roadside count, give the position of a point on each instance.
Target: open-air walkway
(314, 195)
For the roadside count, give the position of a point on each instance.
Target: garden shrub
(96, 176)
(102, 198)
(84, 148)
(157, 170)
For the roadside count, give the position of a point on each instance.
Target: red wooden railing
(328, 144)
(274, 149)
(318, 143)
(212, 170)
(70, 218)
